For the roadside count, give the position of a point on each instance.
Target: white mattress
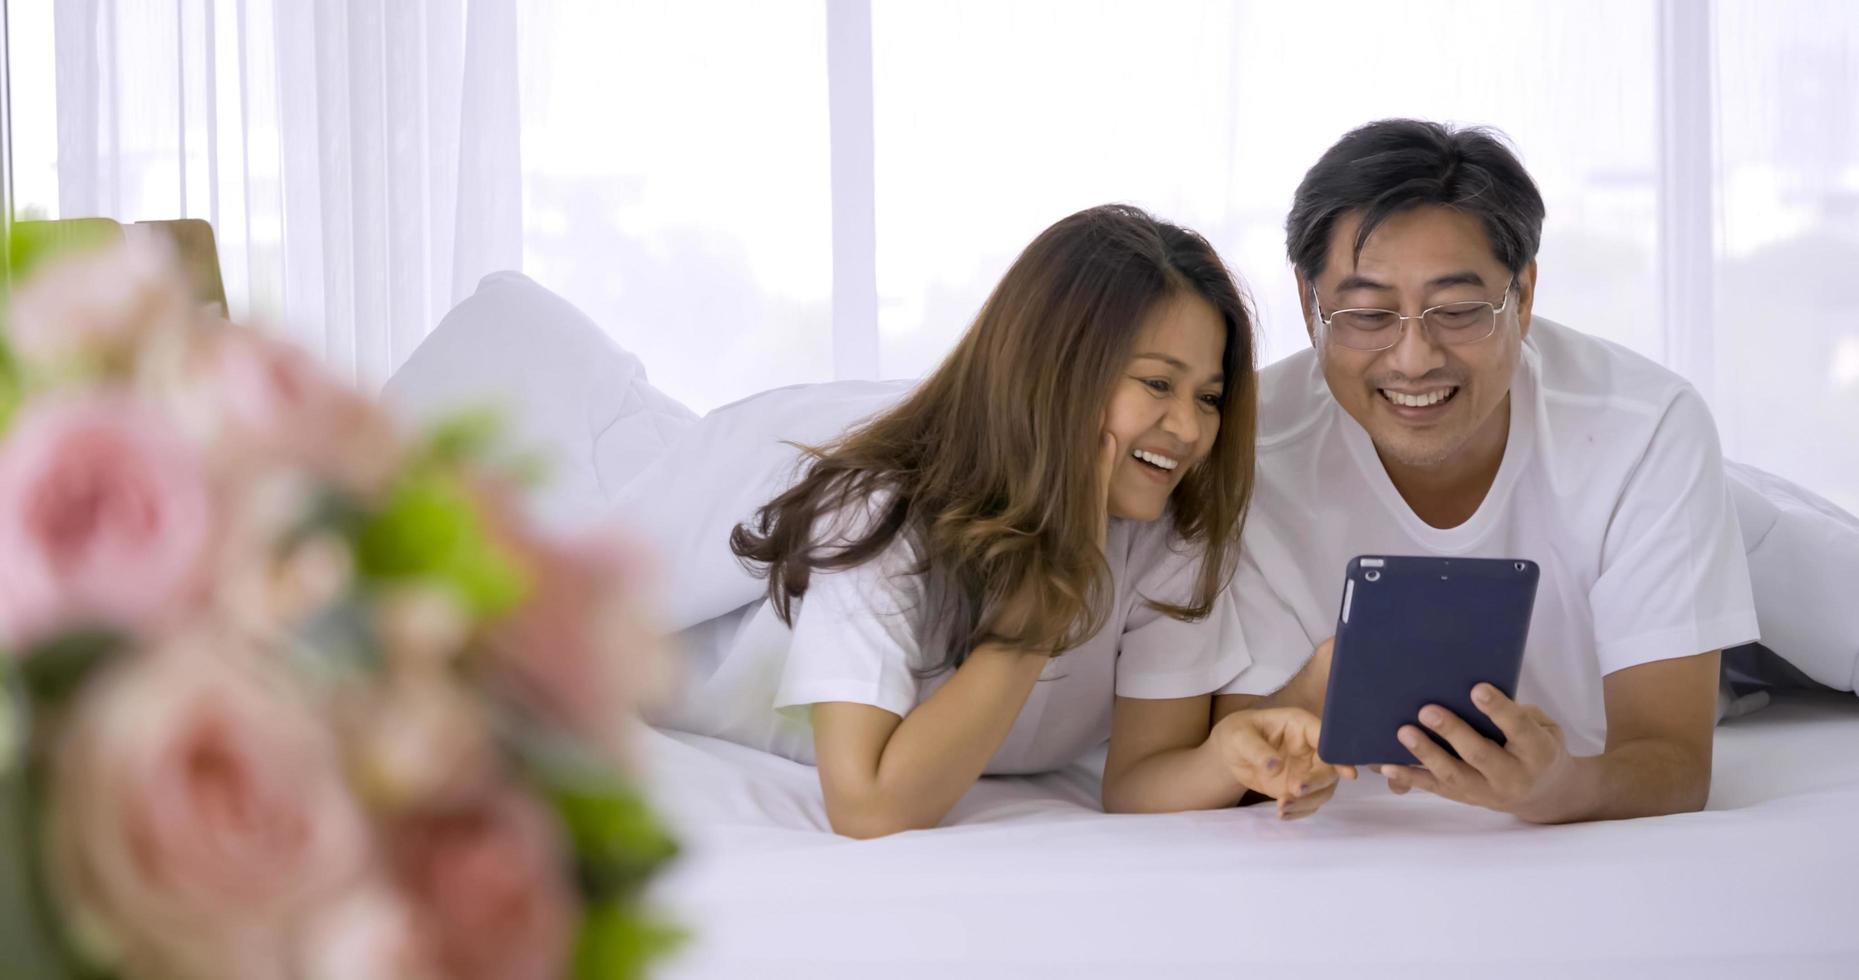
(1029, 879)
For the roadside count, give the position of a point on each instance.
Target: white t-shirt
(750, 678)
(1612, 481)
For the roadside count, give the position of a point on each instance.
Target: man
(1435, 415)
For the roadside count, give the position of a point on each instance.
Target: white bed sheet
(1029, 879)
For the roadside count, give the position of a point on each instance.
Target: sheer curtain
(1700, 161)
(752, 194)
(358, 161)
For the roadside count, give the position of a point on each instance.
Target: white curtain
(358, 161)
(751, 193)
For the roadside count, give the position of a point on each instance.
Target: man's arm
(1660, 721)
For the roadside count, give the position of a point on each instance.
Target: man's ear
(1526, 298)
(1303, 303)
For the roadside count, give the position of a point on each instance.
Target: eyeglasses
(1451, 324)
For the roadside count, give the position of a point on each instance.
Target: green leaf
(15, 719)
(618, 840)
(34, 942)
(53, 670)
(34, 242)
(419, 531)
(12, 389)
(25, 932)
(479, 437)
(618, 940)
(430, 529)
(465, 435)
(619, 843)
(489, 585)
(332, 512)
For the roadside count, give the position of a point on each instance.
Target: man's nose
(1414, 352)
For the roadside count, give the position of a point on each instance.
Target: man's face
(1425, 399)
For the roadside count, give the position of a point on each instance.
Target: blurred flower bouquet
(285, 693)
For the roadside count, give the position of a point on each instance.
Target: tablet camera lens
(1519, 566)
(1372, 576)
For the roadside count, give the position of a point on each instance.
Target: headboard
(192, 239)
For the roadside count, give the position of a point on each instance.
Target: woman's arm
(1162, 758)
(882, 774)
(1165, 757)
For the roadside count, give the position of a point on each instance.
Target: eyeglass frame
(1400, 330)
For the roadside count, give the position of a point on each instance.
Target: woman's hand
(1274, 751)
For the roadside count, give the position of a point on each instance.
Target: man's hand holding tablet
(1424, 669)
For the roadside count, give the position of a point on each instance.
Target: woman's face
(1165, 408)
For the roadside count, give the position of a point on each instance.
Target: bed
(1028, 878)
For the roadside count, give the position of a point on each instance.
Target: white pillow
(563, 386)
(1803, 566)
(684, 504)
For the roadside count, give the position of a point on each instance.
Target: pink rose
(580, 649)
(367, 934)
(97, 305)
(104, 519)
(198, 813)
(276, 400)
(487, 877)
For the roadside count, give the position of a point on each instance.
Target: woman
(1033, 540)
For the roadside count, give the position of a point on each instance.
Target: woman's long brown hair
(988, 467)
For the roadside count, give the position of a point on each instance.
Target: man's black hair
(1390, 166)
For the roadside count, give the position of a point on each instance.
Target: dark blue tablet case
(1415, 631)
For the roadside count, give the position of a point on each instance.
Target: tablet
(1418, 631)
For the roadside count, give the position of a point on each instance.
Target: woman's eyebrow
(1173, 362)
(1178, 365)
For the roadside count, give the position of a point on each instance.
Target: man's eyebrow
(1176, 363)
(1464, 277)
(1360, 282)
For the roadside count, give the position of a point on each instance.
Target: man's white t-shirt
(1612, 481)
(857, 633)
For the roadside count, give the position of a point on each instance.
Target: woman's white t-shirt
(856, 638)
(1612, 481)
